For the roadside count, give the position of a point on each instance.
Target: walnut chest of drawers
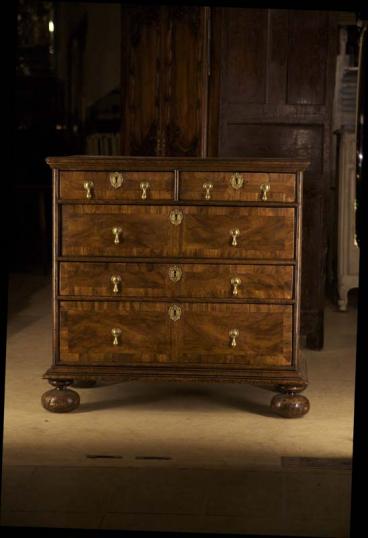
(177, 269)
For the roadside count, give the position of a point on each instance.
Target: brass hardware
(116, 333)
(356, 240)
(234, 234)
(88, 185)
(174, 312)
(235, 282)
(116, 179)
(175, 273)
(176, 216)
(233, 333)
(144, 186)
(115, 279)
(264, 188)
(116, 232)
(208, 188)
(237, 181)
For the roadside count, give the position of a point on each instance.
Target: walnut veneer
(177, 268)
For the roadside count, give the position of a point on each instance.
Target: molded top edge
(104, 162)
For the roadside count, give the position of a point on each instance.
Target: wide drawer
(253, 336)
(237, 186)
(148, 231)
(157, 280)
(144, 186)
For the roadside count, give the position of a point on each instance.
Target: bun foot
(60, 399)
(290, 405)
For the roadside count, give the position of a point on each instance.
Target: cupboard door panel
(184, 94)
(141, 79)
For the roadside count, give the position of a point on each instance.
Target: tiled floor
(222, 463)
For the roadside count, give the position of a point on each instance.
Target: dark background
(55, 116)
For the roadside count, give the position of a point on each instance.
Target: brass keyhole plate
(175, 273)
(174, 312)
(116, 179)
(176, 216)
(237, 181)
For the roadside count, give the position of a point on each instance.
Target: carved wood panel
(164, 80)
(141, 79)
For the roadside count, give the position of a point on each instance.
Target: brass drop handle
(208, 188)
(116, 333)
(88, 185)
(116, 280)
(116, 232)
(234, 234)
(144, 186)
(233, 333)
(264, 188)
(235, 282)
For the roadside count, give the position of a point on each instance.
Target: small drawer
(237, 187)
(185, 280)
(110, 185)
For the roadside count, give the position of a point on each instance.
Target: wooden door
(271, 95)
(185, 76)
(164, 80)
(141, 83)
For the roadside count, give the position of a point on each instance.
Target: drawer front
(208, 232)
(253, 336)
(246, 232)
(237, 187)
(92, 230)
(152, 280)
(144, 186)
(141, 333)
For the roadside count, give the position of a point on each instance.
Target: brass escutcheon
(115, 333)
(174, 312)
(88, 185)
(233, 333)
(116, 179)
(175, 273)
(176, 216)
(237, 181)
